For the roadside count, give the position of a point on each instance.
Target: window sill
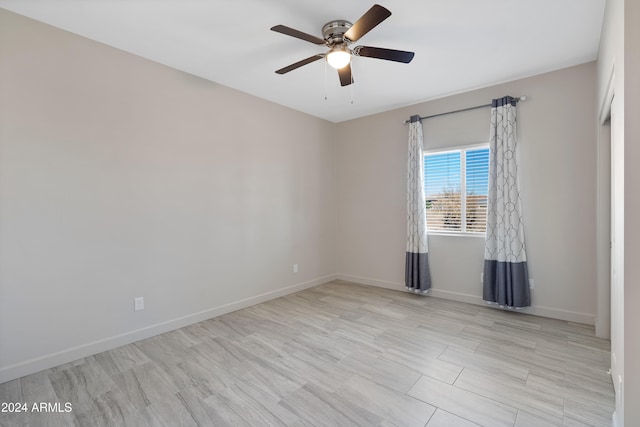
(454, 234)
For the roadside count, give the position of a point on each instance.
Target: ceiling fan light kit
(338, 35)
(339, 56)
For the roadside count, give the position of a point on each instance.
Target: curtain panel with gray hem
(506, 279)
(417, 276)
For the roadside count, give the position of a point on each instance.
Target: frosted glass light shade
(338, 58)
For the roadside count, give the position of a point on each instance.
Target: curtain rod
(522, 98)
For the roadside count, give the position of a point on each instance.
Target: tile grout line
(458, 376)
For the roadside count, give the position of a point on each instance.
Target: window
(456, 185)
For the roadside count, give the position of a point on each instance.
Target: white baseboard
(38, 364)
(537, 310)
(31, 366)
(554, 313)
(373, 282)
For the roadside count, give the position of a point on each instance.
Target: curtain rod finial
(523, 98)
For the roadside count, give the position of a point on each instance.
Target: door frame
(603, 214)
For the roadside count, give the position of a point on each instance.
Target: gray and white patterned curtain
(506, 279)
(417, 276)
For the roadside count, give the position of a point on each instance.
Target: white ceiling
(459, 44)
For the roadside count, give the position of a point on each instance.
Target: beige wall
(632, 212)
(619, 47)
(611, 82)
(121, 178)
(558, 169)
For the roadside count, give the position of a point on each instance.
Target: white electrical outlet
(532, 283)
(295, 268)
(138, 304)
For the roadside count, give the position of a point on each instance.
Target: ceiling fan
(338, 35)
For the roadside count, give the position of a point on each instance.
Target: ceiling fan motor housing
(333, 32)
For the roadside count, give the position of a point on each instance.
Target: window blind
(443, 182)
(456, 184)
(477, 184)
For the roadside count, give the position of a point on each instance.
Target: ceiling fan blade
(299, 64)
(297, 34)
(382, 53)
(367, 22)
(346, 77)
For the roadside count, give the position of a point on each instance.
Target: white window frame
(463, 188)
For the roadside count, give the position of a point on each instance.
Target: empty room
(320, 213)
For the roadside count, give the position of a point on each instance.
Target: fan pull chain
(325, 80)
(351, 85)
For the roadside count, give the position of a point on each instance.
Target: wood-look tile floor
(339, 354)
